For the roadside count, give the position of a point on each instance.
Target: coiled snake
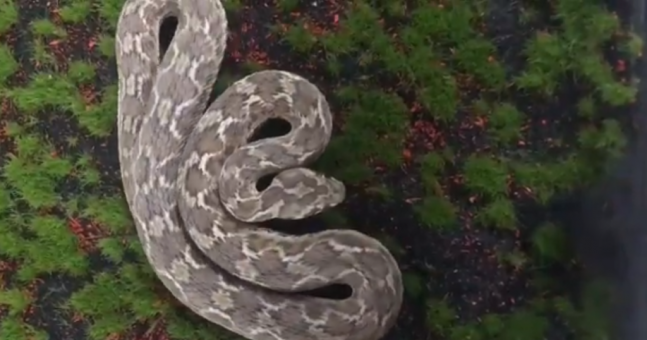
(189, 175)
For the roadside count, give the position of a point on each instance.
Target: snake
(190, 169)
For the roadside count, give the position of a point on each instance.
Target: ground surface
(464, 129)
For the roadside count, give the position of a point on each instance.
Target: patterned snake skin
(189, 175)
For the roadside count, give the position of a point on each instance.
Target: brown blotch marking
(232, 102)
(213, 165)
(208, 144)
(175, 88)
(342, 326)
(267, 92)
(258, 242)
(196, 181)
(246, 206)
(271, 196)
(142, 176)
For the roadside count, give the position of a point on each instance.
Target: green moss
(34, 171)
(485, 175)
(111, 212)
(476, 57)
(44, 28)
(438, 212)
(13, 328)
(106, 46)
(109, 11)
(8, 15)
(99, 119)
(499, 213)
(299, 38)
(8, 64)
(440, 316)
(550, 243)
(44, 90)
(505, 123)
(81, 72)
(16, 300)
(413, 285)
(76, 11)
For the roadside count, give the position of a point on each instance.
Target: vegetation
(441, 125)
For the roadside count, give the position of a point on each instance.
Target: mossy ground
(458, 125)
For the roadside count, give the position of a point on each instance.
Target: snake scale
(189, 174)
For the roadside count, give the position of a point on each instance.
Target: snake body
(189, 176)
